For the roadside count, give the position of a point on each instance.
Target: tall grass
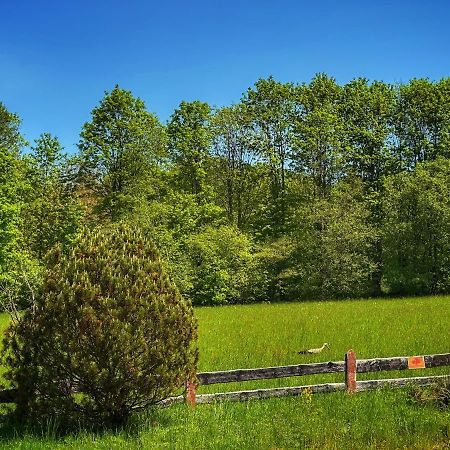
(271, 334)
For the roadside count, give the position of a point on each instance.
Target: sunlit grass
(269, 335)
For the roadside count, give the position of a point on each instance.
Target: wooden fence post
(350, 371)
(191, 390)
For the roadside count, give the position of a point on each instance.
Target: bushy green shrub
(210, 262)
(109, 325)
(278, 274)
(171, 223)
(437, 394)
(224, 267)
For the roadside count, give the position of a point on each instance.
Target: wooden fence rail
(362, 366)
(400, 363)
(350, 366)
(265, 373)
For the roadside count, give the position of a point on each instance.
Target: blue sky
(57, 58)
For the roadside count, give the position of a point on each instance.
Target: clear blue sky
(58, 57)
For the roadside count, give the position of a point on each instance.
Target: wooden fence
(350, 366)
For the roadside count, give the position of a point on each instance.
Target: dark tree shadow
(13, 428)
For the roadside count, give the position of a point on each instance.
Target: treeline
(299, 191)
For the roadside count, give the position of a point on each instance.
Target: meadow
(271, 334)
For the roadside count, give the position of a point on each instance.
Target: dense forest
(299, 191)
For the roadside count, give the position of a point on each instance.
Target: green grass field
(271, 334)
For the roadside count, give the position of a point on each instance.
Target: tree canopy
(299, 190)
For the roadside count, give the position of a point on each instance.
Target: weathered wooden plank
(268, 393)
(172, 401)
(362, 366)
(380, 364)
(437, 360)
(398, 382)
(316, 389)
(8, 395)
(399, 363)
(229, 376)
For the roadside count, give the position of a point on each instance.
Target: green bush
(224, 267)
(171, 222)
(109, 325)
(437, 394)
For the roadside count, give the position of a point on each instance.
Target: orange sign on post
(416, 362)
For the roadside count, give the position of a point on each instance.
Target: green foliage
(10, 137)
(367, 111)
(334, 238)
(51, 211)
(18, 272)
(299, 169)
(107, 323)
(210, 262)
(11, 184)
(224, 268)
(189, 140)
(422, 121)
(416, 230)
(318, 131)
(271, 107)
(237, 178)
(121, 149)
(170, 222)
(277, 277)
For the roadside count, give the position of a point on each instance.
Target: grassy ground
(271, 334)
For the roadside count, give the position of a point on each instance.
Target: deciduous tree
(121, 148)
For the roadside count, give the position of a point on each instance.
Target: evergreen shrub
(108, 333)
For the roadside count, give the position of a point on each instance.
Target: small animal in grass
(312, 351)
